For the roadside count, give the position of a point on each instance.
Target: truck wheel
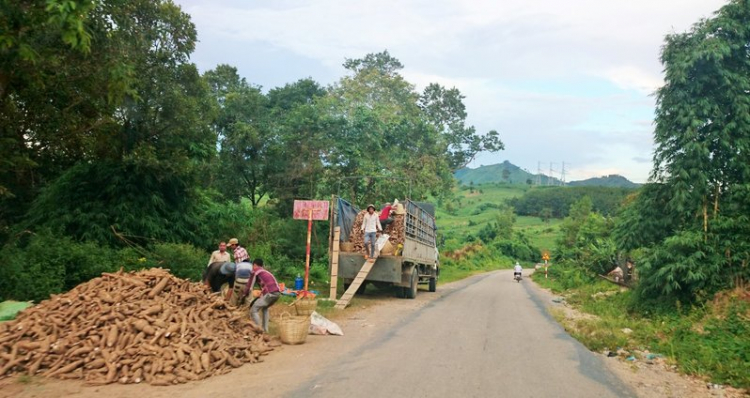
(433, 284)
(411, 291)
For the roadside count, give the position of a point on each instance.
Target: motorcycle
(517, 278)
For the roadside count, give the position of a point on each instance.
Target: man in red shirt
(385, 215)
(269, 294)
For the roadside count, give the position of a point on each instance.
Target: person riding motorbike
(517, 271)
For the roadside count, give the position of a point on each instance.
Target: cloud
(559, 80)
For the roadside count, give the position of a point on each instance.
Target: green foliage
(605, 200)
(692, 221)
(42, 264)
(708, 340)
(183, 261)
(106, 201)
(683, 268)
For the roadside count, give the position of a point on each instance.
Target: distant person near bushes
(270, 293)
(240, 254)
(219, 256)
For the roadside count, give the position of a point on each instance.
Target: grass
(709, 340)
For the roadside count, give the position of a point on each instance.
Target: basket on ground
(305, 306)
(293, 329)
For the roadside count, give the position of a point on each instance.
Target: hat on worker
(369, 206)
(228, 268)
(233, 241)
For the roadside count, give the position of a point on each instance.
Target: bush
(182, 260)
(41, 264)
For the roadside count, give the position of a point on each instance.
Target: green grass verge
(710, 340)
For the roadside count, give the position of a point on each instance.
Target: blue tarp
(346, 213)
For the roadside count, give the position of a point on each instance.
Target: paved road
(489, 337)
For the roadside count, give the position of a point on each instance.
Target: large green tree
(131, 104)
(692, 220)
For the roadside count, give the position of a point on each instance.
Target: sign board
(319, 209)
(545, 256)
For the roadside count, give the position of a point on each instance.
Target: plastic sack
(381, 242)
(321, 326)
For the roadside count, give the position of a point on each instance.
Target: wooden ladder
(356, 283)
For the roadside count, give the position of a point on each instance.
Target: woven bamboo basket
(305, 306)
(293, 329)
(346, 247)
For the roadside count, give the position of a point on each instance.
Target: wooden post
(307, 257)
(545, 269)
(335, 261)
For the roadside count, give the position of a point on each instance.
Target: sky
(561, 81)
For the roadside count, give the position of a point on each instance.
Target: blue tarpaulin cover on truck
(347, 212)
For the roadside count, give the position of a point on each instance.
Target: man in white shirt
(219, 256)
(371, 226)
(517, 270)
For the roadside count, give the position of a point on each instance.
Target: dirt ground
(287, 366)
(654, 378)
(280, 371)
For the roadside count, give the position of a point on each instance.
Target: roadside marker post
(310, 210)
(545, 257)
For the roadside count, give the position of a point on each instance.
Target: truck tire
(411, 291)
(433, 284)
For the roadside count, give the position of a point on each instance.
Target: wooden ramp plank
(356, 283)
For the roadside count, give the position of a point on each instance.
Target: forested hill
(612, 180)
(503, 172)
(507, 172)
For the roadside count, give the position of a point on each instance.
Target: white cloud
(485, 48)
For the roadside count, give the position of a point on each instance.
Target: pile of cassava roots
(140, 327)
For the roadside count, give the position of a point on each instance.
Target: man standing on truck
(371, 226)
(385, 215)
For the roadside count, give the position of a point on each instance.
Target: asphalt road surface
(488, 337)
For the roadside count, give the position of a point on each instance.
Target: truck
(416, 263)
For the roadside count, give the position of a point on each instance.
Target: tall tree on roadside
(696, 244)
(445, 111)
(122, 130)
(247, 144)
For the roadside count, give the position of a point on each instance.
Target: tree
(702, 129)
(545, 215)
(130, 104)
(691, 222)
(248, 144)
(506, 175)
(445, 111)
(379, 146)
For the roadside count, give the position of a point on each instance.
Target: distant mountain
(516, 175)
(612, 180)
(496, 173)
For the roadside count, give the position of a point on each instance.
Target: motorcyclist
(517, 270)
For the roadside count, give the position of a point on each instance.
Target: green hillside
(472, 208)
(496, 173)
(612, 180)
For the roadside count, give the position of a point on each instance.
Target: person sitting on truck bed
(385, 215)
(371, 226)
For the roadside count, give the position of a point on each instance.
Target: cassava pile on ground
(394, 229)
(147, 327)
